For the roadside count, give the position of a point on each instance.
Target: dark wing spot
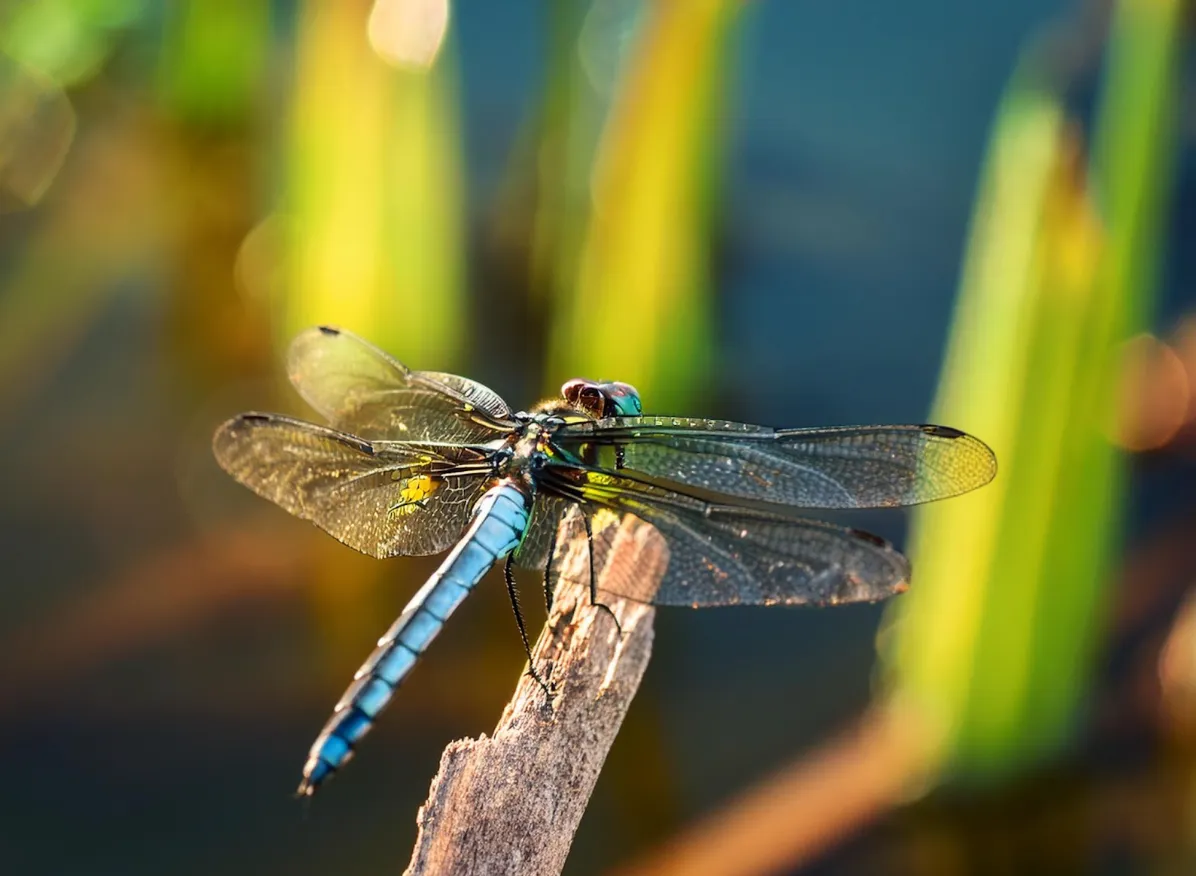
(255, 418)
(864, 535)
(941, 431)
(329, 330)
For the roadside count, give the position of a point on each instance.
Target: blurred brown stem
(805, 807)
(511, 803)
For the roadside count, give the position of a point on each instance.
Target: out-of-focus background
(793, 213)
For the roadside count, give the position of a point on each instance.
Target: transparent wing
(843, 467)
(381, 498)
(547, 514)
(724, 555)
(360, 389)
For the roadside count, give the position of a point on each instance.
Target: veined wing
(382, 498)
(542, 531)
(725, 555)
(360, 389)
(842, 467)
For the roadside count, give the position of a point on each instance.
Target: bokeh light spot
(1154, 393)
(37, 125)
(408, 33)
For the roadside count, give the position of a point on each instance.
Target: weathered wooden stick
(510, 804)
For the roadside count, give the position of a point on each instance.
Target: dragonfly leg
(509, 576)
(593, 580)
(549, 584)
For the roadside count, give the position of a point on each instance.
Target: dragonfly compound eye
(622, 400)
(585, 396)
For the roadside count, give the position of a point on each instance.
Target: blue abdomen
(499, 521)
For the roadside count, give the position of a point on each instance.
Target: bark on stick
(511, 803)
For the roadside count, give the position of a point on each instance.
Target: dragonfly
(420, 462)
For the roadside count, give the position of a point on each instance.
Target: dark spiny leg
(531, 665)
(548, 582)
(594, 581)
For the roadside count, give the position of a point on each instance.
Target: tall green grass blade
(645, 257)
(995, 641)
(374, 192)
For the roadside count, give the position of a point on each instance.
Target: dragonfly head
(599, 400)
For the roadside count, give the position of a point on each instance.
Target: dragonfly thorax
(526, 450)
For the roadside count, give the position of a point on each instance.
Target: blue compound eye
(623, 400)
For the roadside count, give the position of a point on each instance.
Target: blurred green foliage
(374, 196)
(995, 644)
(67, 40)
(214, 58)
(645, 256)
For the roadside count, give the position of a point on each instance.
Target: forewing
(844, 467)
(723, 555)
(381, 498)
(360, 389)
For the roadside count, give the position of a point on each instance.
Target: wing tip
(300, 346)
(952, 434)
(229, 429)
(942, 431)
